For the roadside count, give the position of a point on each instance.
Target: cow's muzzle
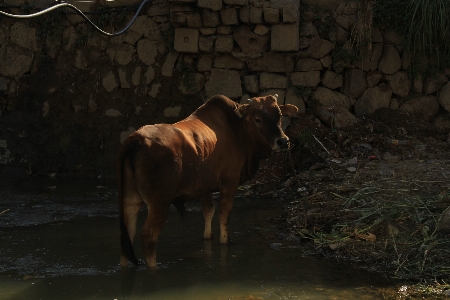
(281, 144)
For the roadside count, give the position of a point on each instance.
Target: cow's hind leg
(208, 213)
(157, 215)
(131, 212)
(132, 203)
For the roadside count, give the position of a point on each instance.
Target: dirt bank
(377, 193)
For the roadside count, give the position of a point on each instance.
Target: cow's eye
(258, 120)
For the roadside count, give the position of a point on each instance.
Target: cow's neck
(254, 152)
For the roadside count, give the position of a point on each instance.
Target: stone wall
(70, 95)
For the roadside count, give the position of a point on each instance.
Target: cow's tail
(125, 241)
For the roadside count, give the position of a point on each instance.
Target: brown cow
(218, 147)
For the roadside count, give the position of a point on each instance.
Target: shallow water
(59, 240)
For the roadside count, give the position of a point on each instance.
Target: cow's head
(263, 117)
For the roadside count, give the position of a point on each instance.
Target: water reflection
(74, 253)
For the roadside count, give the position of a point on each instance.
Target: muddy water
(59, 240)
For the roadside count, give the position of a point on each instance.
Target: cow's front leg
(208, 213)
(226, 204)
(156, 217)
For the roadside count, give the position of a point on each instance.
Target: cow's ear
(288, 110)
(241, 111)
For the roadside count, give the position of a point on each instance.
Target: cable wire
(42, 12)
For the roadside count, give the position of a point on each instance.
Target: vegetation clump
(424, 24)
(377, 194)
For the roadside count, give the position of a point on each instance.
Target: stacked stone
(262, 46)
(238, 41)
(240, 48)
(378, 78)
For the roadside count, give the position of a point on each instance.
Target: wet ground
(59, 240)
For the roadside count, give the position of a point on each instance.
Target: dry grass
(388, 215)
(362, 30)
